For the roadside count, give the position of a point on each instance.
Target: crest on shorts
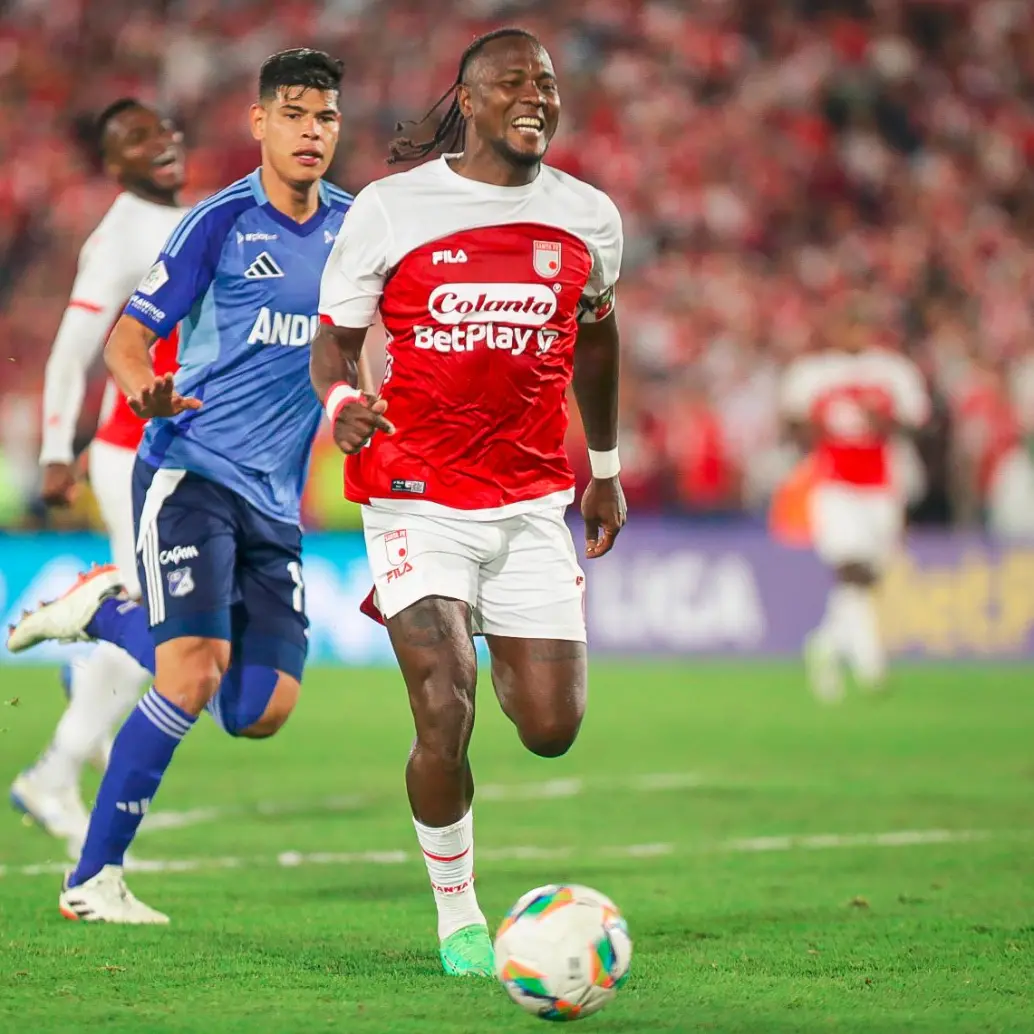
(546, 258)
(181, 582)
(397, 545)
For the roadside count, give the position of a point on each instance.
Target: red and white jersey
(480, 289)
(835, 392)
(114, 259)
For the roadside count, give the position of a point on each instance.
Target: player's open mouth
(530, 124)
(168, 157)
(309, 158)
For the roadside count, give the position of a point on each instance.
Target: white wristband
(340, 395)
(604, 464)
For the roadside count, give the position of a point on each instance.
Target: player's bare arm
(337, 364)
(128, 358)
(596, 365)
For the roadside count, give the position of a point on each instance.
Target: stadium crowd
(779, 167)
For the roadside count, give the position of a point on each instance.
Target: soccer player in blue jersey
(220, 471)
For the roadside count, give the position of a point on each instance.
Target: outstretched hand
(160, 399)
(357, 421)
(604, 513)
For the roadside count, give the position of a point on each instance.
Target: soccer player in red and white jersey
(144, 153)
(494, 276)
(851, 400)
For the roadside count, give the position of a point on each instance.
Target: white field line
(749, 845)
(552, 789)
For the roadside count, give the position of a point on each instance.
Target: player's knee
(856, 573)
(552, 735)
(280, 707)
(190, 670)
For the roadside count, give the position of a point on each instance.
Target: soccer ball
(563, 951)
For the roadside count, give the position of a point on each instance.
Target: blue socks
(124, 623)
(139, 758)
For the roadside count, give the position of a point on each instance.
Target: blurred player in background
(143, 153)
(494, 275)
(218, 479)
(848, 403)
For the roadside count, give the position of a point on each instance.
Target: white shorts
(854, 525)
(111, 478)
(519, 574)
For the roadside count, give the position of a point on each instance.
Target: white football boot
(105, 898)
(64, 620)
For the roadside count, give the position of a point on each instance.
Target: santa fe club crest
(397, 545)
(545, 257)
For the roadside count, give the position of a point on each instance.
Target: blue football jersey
(242, 280)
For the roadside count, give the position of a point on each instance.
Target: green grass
(936, 938)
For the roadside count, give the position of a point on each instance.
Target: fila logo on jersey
(546, 257)
(449, 257)
(263, 268)
(283, 328)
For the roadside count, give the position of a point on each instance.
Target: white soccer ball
(563, 951)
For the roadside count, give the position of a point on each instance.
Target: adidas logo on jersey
(263, 268)
(448, 257)
(328, 237)
(283, 328)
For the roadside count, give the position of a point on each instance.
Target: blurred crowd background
(787, 172)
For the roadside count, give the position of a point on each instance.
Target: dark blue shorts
(212, 565)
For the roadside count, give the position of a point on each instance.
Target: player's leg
(532, 612)
(851, 537)
(269, 630)
(426, 574)
(188, 599)
(101, 688)
(881, 517)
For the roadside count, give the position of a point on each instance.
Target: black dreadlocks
(448, 137)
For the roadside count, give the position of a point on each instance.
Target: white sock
(449, 854)
(105, 686)
(864, 647)
(835, 627)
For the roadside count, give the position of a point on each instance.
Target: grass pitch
(782, 867)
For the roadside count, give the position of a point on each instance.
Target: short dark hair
(309, 69)
(448, 136)
(113, 110)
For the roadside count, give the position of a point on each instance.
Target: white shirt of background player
(834, 377)
(114, 259)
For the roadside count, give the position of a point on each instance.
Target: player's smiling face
(513, 99)
(299, 130)
(144, 149)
